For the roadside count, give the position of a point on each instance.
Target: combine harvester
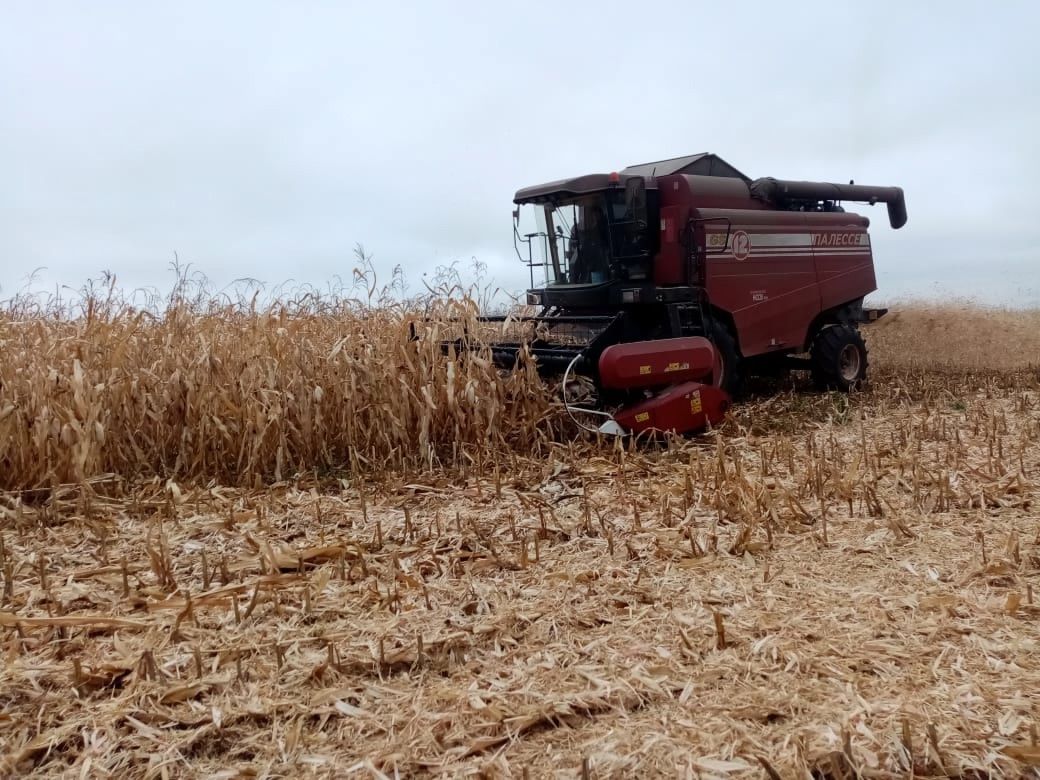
(667, 283)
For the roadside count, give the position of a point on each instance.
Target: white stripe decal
(789, 255)
(831, 240)
(802, 249)
(780, 239)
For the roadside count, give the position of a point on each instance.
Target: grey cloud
(265, 140)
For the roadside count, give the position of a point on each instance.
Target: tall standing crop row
(234, 393)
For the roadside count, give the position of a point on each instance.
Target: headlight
(534, 298)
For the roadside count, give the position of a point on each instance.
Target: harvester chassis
(667, 283)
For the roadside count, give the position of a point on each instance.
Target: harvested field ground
(826, 587)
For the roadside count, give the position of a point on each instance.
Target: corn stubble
(827, 586)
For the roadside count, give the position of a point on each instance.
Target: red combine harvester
(667, 283)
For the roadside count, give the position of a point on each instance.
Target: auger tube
(781, 191)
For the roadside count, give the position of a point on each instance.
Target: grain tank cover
(795, 194)
(703, 164)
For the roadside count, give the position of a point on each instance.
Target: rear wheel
(839, 358)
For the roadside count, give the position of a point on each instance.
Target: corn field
(206, 390)
(287, 540)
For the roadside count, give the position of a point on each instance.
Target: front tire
(731, 379)
(839, 358)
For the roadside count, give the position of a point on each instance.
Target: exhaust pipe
(780, 192)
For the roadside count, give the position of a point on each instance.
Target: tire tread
(825, 352)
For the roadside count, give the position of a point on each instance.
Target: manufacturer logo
(741, 243)
(839, 239)
(695, 402)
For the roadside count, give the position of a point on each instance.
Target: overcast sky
(265, 140)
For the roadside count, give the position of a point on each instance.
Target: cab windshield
(593, 238)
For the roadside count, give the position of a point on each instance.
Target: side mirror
(716, 243)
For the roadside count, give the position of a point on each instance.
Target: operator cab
(587, 235)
